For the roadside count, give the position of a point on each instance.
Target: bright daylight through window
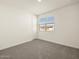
(46, 24)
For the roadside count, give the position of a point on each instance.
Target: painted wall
(16, 27)
(67, 26)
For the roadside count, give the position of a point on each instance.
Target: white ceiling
(35, 7)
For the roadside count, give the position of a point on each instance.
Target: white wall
(67, 26)
(16, 27)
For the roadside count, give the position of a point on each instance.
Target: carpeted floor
(39, 49)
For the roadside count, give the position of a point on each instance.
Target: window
(42, 27)
(46, 24)
(49, 27)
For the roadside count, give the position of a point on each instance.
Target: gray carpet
(39, 49)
